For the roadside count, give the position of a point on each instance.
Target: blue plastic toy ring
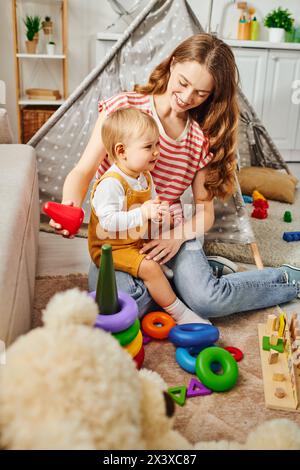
(121, 320)
(186, 359)
(217, 382)
(193, 334)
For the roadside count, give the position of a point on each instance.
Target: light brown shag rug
(229, 415)
(268, 234)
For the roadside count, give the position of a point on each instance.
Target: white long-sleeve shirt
(108, 202)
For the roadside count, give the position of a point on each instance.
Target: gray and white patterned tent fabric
(148, 40)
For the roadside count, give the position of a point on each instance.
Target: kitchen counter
(262, 44)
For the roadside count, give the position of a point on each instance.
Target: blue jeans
(202, 292)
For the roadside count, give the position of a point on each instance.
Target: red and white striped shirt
(179, 159)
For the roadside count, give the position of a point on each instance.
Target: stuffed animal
(67, 385)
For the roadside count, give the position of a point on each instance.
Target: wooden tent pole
(256, 255)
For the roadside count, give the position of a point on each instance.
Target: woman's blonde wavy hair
(218, 116)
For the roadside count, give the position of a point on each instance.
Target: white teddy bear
(70, 386)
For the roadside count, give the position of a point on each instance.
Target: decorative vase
(31, 47)
(276, 34)
(47, 27)
(50, 49)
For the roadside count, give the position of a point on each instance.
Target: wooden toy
(278, 377)
(271, 323)
(280, 393)
(267, 346)
(274, 338)
(69, 217)
(281, 325)
(273, 356)
(280, 367)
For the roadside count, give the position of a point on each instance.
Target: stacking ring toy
(146, 338)
(121, 320)
(150, 321)
(186, 360)
(135, 346)
(194, 334)
(139, 358)
(236, 353)
(222, 382)
(126, 336)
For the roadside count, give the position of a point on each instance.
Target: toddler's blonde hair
(123, 125)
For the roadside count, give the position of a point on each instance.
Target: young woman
(192, 95)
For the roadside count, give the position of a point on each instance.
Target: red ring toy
(139, 358)
(236, 352)
(150, 321)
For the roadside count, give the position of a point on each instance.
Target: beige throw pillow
(273, 184)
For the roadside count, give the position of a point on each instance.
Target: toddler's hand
(150, 209)
(59, 230)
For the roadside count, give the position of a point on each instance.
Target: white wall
(225, 14)
(87, 17)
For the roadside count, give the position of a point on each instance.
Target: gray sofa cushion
(19, 211)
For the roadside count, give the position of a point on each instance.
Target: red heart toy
(69, 217)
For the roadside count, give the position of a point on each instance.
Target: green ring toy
(217, 382)
(126, 336)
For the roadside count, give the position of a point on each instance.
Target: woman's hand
(58, 228)
(164, 211)
(162, 250)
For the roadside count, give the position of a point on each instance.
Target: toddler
(124, 202)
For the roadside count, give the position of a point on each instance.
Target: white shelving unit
(40, 70)
(26, 102)
(40, 56)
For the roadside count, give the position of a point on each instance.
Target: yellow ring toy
(134, 347)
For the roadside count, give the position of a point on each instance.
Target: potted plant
(33, 26)
(51, 48)
(278, 21)
(47, 25)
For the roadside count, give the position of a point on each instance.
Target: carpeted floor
(268, 234)
(229, 415)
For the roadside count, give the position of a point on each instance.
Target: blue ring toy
(193, 334)
(186, 359)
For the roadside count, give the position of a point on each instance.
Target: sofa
(19, 227)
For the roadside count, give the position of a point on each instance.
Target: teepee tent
(147, 41)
